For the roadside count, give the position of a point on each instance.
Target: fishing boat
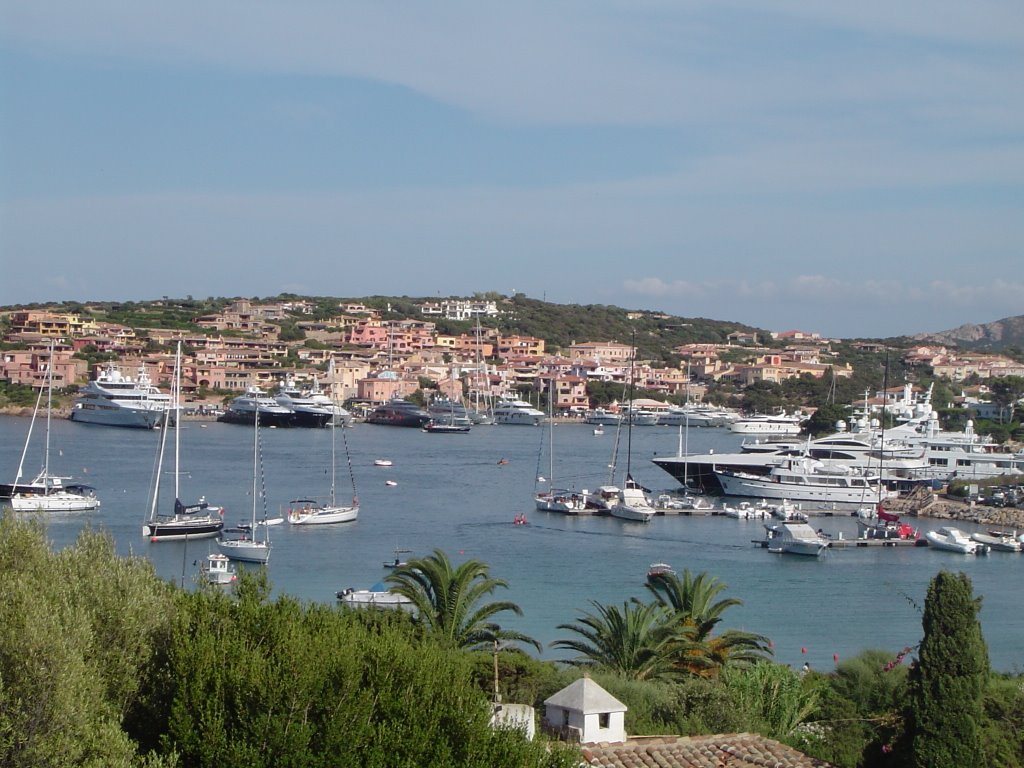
(218, 569)
(191, 521)
(47, 492)
(399, 560)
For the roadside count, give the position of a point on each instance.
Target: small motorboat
(218, 569)
(391, 482)
(660, 569)
(382, 462)
(1001, 541)
(954, 540)
(399, 561)
(520, 520)
(795, 538)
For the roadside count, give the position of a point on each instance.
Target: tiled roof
(735, 750)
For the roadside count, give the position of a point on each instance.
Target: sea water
(460, 493)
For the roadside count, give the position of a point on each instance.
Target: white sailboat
(313, 512)
(195, 521)
(48, 493)
(632, 503)
(555, 499)
(251, 544)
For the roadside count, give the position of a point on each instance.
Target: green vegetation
(102, 663)
(448, 598)
(949, 680)
(669, 638)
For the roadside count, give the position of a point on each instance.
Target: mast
(49, 410)
(629, 411)
(176, 406)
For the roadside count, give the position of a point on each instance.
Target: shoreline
(934, 506)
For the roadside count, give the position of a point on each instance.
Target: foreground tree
(625, 641)
(448, 601)
(687, 634)
(950, 677)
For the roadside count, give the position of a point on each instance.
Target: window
(604, 720)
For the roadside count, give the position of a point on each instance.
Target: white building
(587, 712)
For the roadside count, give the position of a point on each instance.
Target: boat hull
(764, 488)
(116, 416)
(61, 501)
(180, 529)
(248, 418)
(245, 550)
(323, 515)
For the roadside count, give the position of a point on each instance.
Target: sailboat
(247, 544)
(47, 493)
(312, 512)
(196, 521)
(555, 499)
(632, 503)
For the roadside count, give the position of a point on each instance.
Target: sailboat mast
(255, 464)
(176, 406)
(629, 410)
(49, 410)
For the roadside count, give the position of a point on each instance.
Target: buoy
(803, 650)
(835, 657)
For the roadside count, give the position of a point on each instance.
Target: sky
(851, 169)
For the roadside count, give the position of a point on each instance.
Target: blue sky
(856, 171)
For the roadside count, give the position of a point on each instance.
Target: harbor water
(460, 493)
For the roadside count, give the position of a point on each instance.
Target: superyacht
(243, 409)
(116, 400)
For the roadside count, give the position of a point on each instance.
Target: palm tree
(688, 638)
(626, 641)
(447, 601)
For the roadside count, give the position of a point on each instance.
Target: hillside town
(359, 358)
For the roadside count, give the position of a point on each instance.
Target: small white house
(588, 712)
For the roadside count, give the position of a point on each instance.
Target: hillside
(998, 335)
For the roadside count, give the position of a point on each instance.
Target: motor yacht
(243, 409)
(517, 412)
(399, 413)
(305, 411)
(116, 400)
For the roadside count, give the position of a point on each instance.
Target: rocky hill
(997, 335)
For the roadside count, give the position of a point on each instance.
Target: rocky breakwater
(925, 503)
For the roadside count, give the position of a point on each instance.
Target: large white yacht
(117, 400)
(517, 412)
(783, 424)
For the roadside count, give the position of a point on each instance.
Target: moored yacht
(807, 480)
(243, 409)
(116, 400)
(517, 411)
(305, 411)
(782, 424)
(398, 413)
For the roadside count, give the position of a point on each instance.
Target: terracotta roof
(735, 750)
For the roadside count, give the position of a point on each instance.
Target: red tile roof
(735, 750)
